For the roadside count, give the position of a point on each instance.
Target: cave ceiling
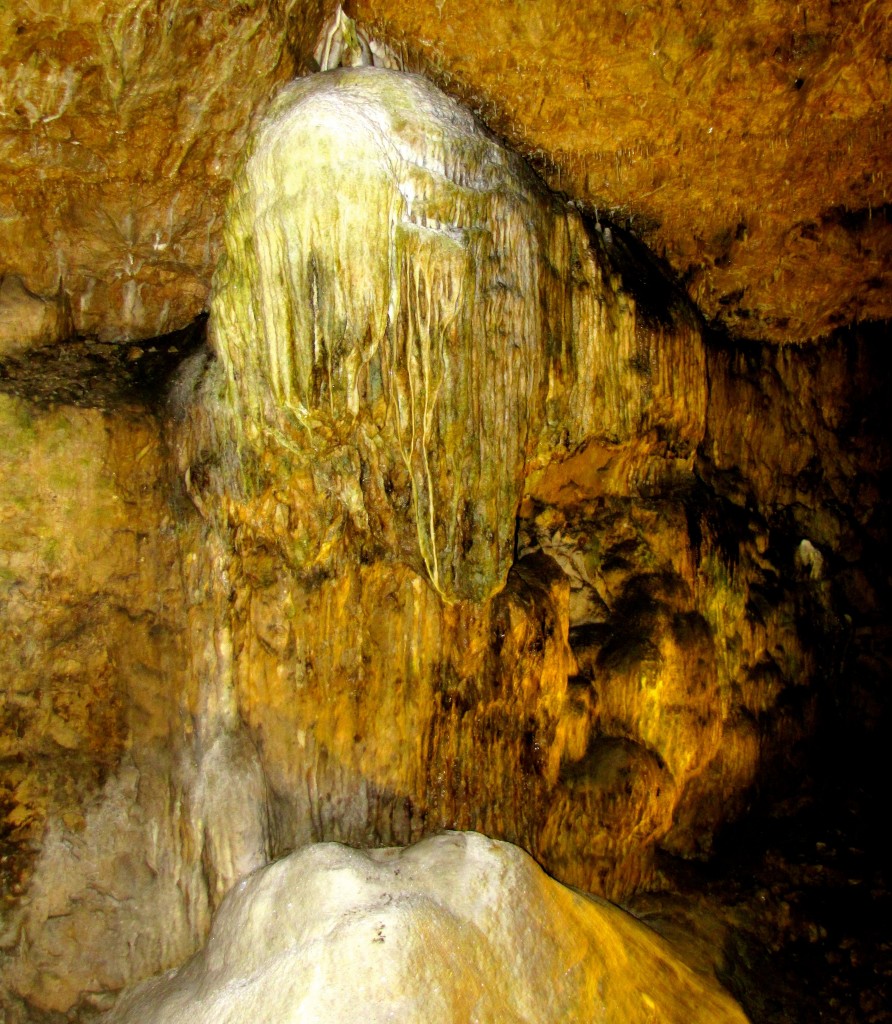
(746, 143)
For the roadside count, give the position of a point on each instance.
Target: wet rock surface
(361, 462)
(402, 303)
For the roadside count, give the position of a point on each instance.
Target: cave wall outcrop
(122, 123)
(644, 665)
(362, 442)
(95, 827)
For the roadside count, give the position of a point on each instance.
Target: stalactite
(397, 281)
(416, 344)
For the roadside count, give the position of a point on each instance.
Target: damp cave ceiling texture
(748, 143)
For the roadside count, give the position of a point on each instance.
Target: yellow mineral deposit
(397, 282)
(411, 334)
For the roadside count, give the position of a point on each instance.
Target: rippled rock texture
(122, 122)
(402, 296)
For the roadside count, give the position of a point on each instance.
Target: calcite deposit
(456, 928)
(402, 297)
(410, 331)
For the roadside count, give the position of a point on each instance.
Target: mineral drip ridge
(446, 464)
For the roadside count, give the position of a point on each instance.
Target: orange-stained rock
(748, 143)
(406, 323)
(122, 121)
(674, 578)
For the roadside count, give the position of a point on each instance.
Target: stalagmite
(458, 928)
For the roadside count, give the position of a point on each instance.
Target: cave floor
(802, 907)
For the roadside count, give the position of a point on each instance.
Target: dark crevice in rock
(856, 220)
(659, 295)
(100, 375)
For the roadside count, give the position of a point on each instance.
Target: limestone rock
(385, 231)
(121, 124)
(94, 827)
(575, 603)
(633, 676)
(26, 320)
(411, 331)
(115, 893)
(747, 144)
(456, 928)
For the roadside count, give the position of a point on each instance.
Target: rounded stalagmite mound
(457, 928)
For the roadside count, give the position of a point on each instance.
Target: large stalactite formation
(365, 473)
(375, 448)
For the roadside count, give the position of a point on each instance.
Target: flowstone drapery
(405, 309)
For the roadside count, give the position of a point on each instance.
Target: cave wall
(745, 143)
(212, 657)
(94, 830)
(122, 125)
